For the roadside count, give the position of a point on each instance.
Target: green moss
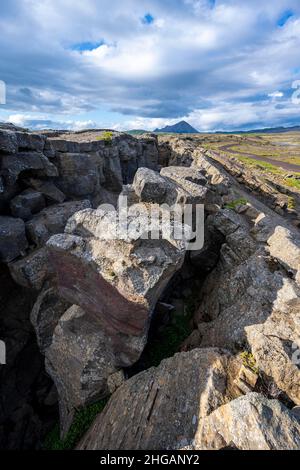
(234, 204)
(291, 203)
(106, 137)
(249, 361)
(168, 342)
(82, 422)
(292, 183)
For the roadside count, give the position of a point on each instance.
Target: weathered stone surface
(179, 173)
(217, 177)
(80, 361)
(263, 229)
(30, 141)
(45, 315)
(250, 300)
(117, 281)
(175, 397)
(275, 343)
(48, 189)
(14, 165)
(33, 270)
(189, 186)
(26, 204)
(251, 422)
(149, 186)
(13, 240)
(52, 220)
(80, 174)
(285, 246)
(8, 141)
(236, 298)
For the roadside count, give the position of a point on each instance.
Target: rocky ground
(79, 314)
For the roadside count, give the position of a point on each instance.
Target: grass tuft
(106, 137)
(81, 424)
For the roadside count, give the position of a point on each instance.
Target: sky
(141, 64)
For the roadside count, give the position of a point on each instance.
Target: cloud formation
(220, 64)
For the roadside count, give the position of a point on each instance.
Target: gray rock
(251, 422)
(48, 189)
(162, 408)
(8, 141)
(26, 204)
(30, 141)
(52, 220)
(285, 246)
(275, 343)
(14, 165)
(33, 270)
(13, 241)
(80, 361)
(80, 174)
(117, 281)
(179, 173)
(149, 186)
(45, 315)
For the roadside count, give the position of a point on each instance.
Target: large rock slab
(8, 141)
(80, 361)
(80, 174)
(13, 165)
(48, 189)
(251, 301)
(45, 315)
(162, 408)
(150, 187)
(26, 204)
(33, 270)
(285, 246)
(275, 344)
(118, 281)
(13, 241)
(180, 173)
(52, 220)
(251, 422)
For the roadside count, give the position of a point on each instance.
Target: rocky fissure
(80, 314)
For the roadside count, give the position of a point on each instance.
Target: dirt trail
(284, 165)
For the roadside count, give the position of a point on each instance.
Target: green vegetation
(237, 202)
(292, 183)
(106, 137)
(249, 361)
(137, 132)
(169, 341)
(82, 422)
(268, 167)
(291, 203)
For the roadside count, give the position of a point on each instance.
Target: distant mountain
(267, 130)
(181, 127)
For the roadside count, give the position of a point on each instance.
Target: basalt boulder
(52, 220)
(13, 241)
(251, 422)
(80, 360)
(162, 408)
(115, 273)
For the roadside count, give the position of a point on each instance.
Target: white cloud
(276, 94)
(215, 62)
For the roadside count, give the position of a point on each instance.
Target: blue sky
(219, 64)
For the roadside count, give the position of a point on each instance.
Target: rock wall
(84, 303)
(44, 179)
